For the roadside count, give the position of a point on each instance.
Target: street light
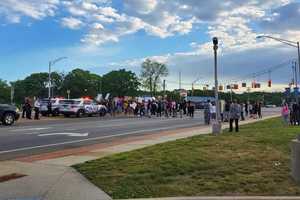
(287, 42)
(51, 63)
(216, 127)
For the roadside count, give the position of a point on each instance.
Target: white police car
(54, 106)
(78, 107)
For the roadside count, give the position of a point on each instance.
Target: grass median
(255, 161)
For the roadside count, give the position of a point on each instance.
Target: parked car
(78, 107)
(44, 106)
(9, 114)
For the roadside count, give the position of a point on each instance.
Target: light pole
(216, 127)
(51, 63)
(287, 42)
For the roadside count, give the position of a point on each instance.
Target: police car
(78, 107)
(54, 106)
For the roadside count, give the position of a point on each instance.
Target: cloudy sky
(101, 35)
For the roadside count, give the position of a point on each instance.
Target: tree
(4, 92)
(81, 83)
(36, 85)
(152, 72)
(120, 83)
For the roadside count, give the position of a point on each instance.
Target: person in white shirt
(213, 111)
(37, 109)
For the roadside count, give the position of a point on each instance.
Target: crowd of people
(151, 107)
(291, 113)
(232, 112)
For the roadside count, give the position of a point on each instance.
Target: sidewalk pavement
(50, 177)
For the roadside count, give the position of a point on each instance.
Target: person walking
(234, 113)
(285, 113)
(37, 109)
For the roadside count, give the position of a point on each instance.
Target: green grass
(255, 161)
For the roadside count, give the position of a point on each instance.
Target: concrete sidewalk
(49, 176)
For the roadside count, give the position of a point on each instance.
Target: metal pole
(217, 127)
(296, 74)
(49, 79)
(164, 88)
(216, 86)
(231, 93)
(298, 58)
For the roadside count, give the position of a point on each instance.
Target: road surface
(25, 139)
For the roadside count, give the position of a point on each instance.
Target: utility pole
(164, 88)
(49, 74)
(49, 80)
(217, 126)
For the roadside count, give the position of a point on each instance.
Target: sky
(105, 35)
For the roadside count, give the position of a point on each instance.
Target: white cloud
(71, 22)
(14, 10)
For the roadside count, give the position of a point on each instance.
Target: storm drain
(9, 177)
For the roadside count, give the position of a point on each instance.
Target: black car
(8, 114)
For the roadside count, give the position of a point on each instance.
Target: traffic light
(270, 83)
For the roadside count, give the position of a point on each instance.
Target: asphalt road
(25, 139)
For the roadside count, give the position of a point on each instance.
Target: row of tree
(117, 82)
(84, 83)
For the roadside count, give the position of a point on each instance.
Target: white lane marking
(67, 134)
(96, 138)
(30, 129)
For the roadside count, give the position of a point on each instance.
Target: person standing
(285, 113)
(37, 109)
(242, 112)
(24, 108)
(213, 111)
(49, 107)
(28, 108)
(259, 104)
(246, 109)
(234, 113)
(226, 111)
(207, 113)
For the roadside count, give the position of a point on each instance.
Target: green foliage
(120, 83)
(4, 92)
(151, 74)
(255, 161)
(35, 85)
(81, 83)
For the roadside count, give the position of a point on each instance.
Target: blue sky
(102, 35)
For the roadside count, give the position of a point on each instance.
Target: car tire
(8, 119)
(66, 115)
(80, 113)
